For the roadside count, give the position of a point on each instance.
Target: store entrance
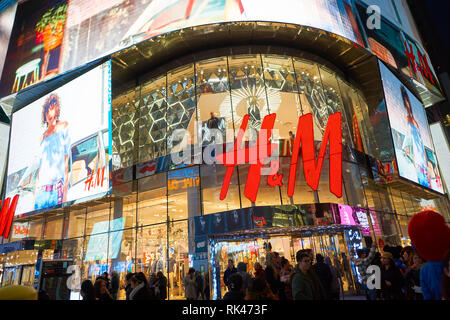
(330, 243)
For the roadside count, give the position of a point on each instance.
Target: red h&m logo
(7, 215)
(304, 138)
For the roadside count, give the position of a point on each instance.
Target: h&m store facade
(101, 190)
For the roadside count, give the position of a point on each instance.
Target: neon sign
(7, 214)
(304, 141)
(422, 66)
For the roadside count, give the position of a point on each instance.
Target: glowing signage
(304, 138)
(7, 214)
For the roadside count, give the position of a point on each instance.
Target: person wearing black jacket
(128, 287)
(87, 290)
(101, 291)
(324, 273)
(236, 286)
(272, 273)
(141, 291)
(228, 272)
(391, 278)
(114, 284)
(161, 284)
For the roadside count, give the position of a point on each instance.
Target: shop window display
(178, 259)
(248, 93)
(125, 208)
(151, 254)
(214, 105)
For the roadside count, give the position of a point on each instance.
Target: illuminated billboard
(53, 36)
(414, 150)
(6, 25)
(60, 145)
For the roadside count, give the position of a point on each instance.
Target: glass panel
(248, 94)
(181, 108)
(95, 256)
(53, 227)
(98, 216)
(357, 128)
(152, 206)
(325, 196)
(120, 259)
(72, 249)
(334, 102)
(212, 177)
(302, 192)
(123, 130)
(77, 219)
(178, 263)
(124, 208)
(35, 229)
(151, 249)
(213, 98)
(153, 116)
(353, 185)
(184, 193)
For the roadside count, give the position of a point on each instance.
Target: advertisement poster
(414, 150)
(60, 145)
(53, 36)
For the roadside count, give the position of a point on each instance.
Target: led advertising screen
(53, 36)
(98, 242)
(60, 145)
(414, 150)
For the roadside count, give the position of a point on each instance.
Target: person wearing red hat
(430, 236)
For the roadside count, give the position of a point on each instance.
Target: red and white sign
(7, 215)
(304, 137)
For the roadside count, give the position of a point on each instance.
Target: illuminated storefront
(120, 200)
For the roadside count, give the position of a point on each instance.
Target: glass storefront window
(152, 121)
(53, 227)
(178, 261)
(181, 104)
(35, 230)
(124, 123)
(212, 177)
(248, 93)
(183, 187)
(324, 192)
(152, 200)
(98, 215)
(353, 186)
(151, 254)
(213, 98)
(121, 257)
(77, 220)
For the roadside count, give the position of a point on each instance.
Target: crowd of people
(136, 286)
(404, 275)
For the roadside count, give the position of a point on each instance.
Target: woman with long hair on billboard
(413, 144)
(52, 175)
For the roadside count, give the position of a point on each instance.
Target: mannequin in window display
(171, 270)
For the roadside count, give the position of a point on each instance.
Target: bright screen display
(4, 135)
(60, 145)
(354, 216)
(98, 243)
(414, 150)
(61, 35)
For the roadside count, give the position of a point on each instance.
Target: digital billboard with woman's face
(414, 150)
(60, 145)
